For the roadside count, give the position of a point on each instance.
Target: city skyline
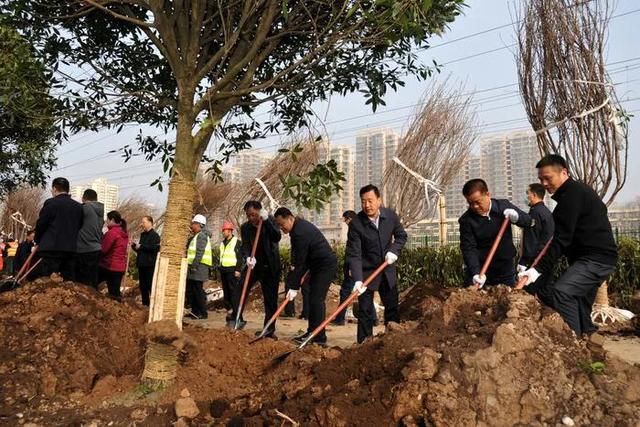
(108, 194)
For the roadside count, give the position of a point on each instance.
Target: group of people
(69, 239)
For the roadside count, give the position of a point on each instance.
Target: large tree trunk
(160, 360)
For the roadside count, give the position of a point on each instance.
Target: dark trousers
(231, 289)
(269, 284)
(345, 290)
(62, 263)
(573, 294)
(306, 299)
(114, 280)
(8, 264)
(145, 280)
(197, 298)
(319, 283)
(367, 311)
(87, 268)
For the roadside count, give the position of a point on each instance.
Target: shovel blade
(256, 339)
(282, 357)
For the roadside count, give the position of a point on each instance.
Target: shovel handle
(18, 281)
(494, 247)
(247, 275)
(534, 264)
(345, 304)
(25, 266)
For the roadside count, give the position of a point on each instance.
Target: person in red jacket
(113, 262)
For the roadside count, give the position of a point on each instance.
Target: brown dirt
(463, 358)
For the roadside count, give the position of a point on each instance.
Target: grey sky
(490, 64)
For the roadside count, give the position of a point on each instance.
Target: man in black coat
(24, 250)
(479, 227)
(266, 263)
(347, 283)
(583, 235)
(375, 235)
(534, 238)
(310, 253)
(147, 252)
(57, 230)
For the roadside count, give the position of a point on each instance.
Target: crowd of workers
(71, 241)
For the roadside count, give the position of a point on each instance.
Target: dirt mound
(59, 338)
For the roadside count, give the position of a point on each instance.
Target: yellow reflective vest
(228, 253)
(207, 257)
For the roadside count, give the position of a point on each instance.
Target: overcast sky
(473, 52)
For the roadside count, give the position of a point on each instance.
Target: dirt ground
(71, 356)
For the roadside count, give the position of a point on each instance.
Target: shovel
(326, 321)
(13, 282)
(247, 276)
(276, 314)
(494, 248)
(535, 262)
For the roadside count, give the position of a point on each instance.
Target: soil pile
(59, 339)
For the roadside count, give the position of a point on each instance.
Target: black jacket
(148, 249)
(268, 253)
(535, 237)
(477, 234)
(367, 246)
(24, 250)
(58, 225)
(582, 228)
(239, 260)
(309, 251)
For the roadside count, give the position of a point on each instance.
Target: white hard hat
(200, 219)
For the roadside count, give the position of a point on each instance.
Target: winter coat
(148, 249)
(267, 251)
(90, 235)
(115, 243)
(198, 271)
(58, 224)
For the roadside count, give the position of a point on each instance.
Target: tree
(25, 200)
(204, 67)
(435, 146)
(27, 131)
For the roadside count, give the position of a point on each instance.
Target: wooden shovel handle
(247, 275)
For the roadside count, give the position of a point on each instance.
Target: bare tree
(435, 146)
(569, 98)
(27, 201)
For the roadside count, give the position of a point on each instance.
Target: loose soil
(71, 356)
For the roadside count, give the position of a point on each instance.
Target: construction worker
(200, 259)
(57, 228)
(113, 254)
(479, 227)
(11, 250)
(347, 282)
(375, 235)
(147, 251)
(24, 250)
(89, 239)
(310, 252)
(583, 235)
(535, 237)
(265, 264)
(230, 270)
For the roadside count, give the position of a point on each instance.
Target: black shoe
(336, 322)
(288, 315)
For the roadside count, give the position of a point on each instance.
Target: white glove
(33, 249)
(479, 280)
(359, 288)
(251, 262)
(521, 268)
(390, 257)
(531, 274)
(264, 214)
(291, 294)
(512, 214)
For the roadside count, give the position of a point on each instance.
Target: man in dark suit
(266, 263)
(57, 230)
(310, 252)
(375, 235)
(479, 227)
(535, 237)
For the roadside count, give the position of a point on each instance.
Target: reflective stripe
(11, 251)
(207, 257)
(228, 257)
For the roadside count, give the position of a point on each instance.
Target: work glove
(531, 275)
(264, 214)
(521, 268)
(479, 280)
(359, 287)
(291, 294)
(251, 262)
(512, 215)
(390, 257)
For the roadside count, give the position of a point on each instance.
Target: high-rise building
(455, 201)
(247, 164)
(374, 150)
(108, 194)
